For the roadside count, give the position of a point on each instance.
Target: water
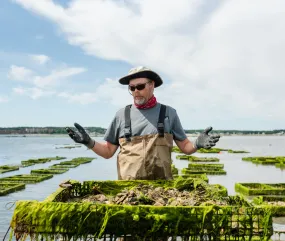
(15, 149)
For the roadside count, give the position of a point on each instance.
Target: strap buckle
(128, 134)
(160, 127)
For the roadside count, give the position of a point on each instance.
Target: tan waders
(145, 157)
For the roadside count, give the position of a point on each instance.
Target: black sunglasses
(138, 87)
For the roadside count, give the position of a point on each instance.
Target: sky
(221, 61)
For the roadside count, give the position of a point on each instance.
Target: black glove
(206, 141)
(80, 136)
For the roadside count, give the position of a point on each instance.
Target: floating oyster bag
(180, 209)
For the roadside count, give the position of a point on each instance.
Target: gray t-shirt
(144, 122)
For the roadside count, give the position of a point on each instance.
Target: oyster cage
(58, 217)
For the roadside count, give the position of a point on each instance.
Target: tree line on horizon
(101, 131)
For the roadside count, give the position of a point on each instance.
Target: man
(144, 131)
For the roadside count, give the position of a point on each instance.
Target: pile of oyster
(276, 203)
(157, 196)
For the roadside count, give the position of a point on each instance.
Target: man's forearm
(186, 146)
(105, 150)
(189, 148)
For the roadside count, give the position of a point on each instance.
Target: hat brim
(143, 74)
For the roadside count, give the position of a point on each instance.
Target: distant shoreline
(38, 135)
(193, 135)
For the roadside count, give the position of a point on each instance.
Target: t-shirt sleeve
(177, 129)
(112, 133)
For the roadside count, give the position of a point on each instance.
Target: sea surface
(14, 149)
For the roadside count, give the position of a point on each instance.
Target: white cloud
(3, 99)
(40, 59)
(34, 92)
(109, 92)
(82, 98)
(56, 76)
(227, 58)
(20, 73)
(113, 93)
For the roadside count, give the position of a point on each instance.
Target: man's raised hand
(80, 136)
(204, 140)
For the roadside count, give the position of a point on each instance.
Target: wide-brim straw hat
(141, 72)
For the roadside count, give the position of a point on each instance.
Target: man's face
(144, 90)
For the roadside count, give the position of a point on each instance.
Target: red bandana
(149, 104)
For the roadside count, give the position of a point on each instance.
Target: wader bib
(145, 157)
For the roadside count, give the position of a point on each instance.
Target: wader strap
(160, 124)
(128, 131)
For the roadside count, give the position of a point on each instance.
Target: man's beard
(140, 101)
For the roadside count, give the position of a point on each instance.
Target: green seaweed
(8, 187)
(203, 170)
(8, 168)
(237, 151)
(267, 160)
(49, 171)
(202, 176)
(197, 159)
(59, 166)
(44, 220)
(26, 178)
(211, 150)
(208, 166)
(251, 189)
(31, 162)
(174, 170)
(78, 161)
